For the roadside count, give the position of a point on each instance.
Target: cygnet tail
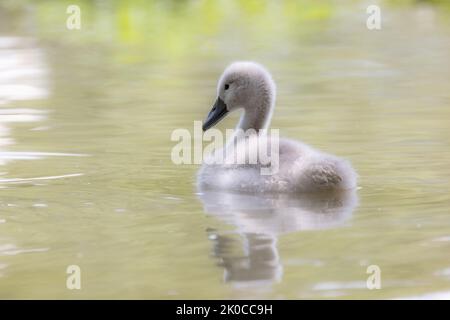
(328, 174)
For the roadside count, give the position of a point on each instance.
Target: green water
(85, 171)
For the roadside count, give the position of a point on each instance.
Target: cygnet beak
(218, 111)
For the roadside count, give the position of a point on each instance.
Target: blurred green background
(85, 123)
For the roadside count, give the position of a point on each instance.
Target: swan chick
(249, 87)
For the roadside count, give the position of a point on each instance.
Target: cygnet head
(248, 86)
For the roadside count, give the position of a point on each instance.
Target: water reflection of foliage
(174, 24)
(175, 28)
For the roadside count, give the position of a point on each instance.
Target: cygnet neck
(257, 114)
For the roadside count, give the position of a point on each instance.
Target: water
(86, 177)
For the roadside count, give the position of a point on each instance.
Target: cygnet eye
(227, 86)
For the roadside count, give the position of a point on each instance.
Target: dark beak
(216, 114)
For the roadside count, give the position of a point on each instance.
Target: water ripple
(27, 180)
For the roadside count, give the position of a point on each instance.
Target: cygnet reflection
(259, 220)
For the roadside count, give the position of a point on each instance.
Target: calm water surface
(86, 177)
